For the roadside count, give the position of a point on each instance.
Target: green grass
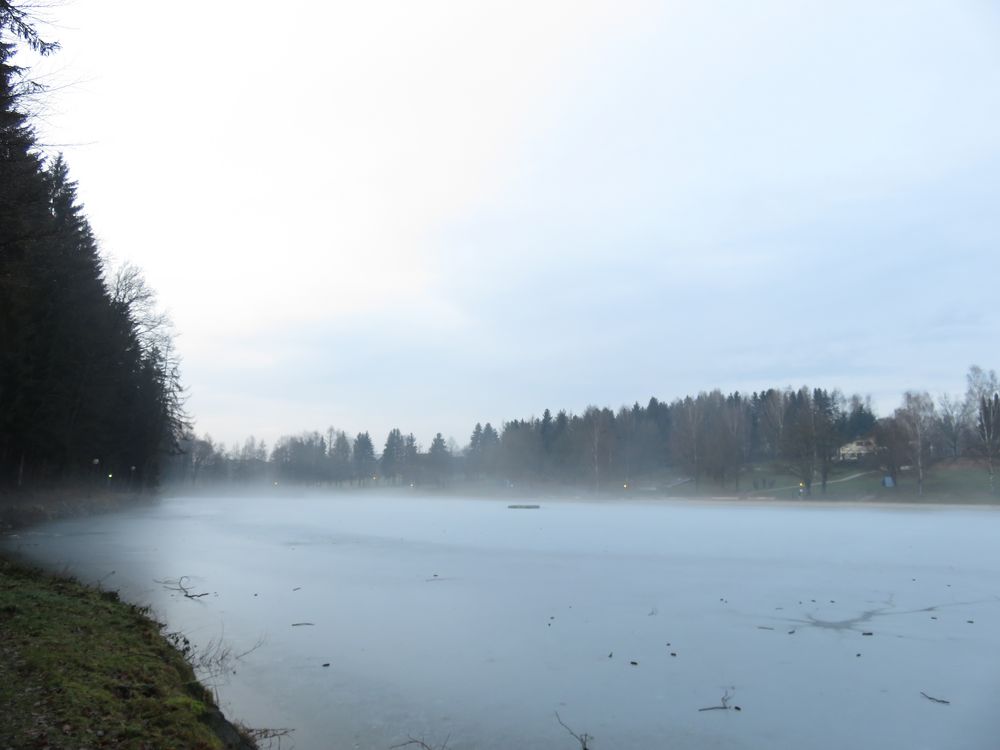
(944, 482)
(79, 668)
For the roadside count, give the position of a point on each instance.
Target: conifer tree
(391, 460)
(364, 458)
(88, 377)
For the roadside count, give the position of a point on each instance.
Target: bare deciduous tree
(988, 433)
(983, 399)
(917, 417)
(952, 423)
(135, 301)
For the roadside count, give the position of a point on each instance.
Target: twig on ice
(270, 735)
(421, 744)
(936, 700)
(723, 704)
(584, 739)
(178, 585)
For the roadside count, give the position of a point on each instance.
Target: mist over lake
(469, 621)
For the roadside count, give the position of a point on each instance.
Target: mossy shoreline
(79, 668)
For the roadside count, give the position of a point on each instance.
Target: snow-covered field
(468, 621)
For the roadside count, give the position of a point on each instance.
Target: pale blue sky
(429, 214)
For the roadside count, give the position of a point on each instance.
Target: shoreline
(79, 665)
(151, 690)
(20, 509)
(534, 495)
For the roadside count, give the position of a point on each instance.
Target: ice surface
(468, 620)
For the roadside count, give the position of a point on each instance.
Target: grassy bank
(22, 508)
(945, 482)
(81, 669)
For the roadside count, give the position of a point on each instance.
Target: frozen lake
(464, 619)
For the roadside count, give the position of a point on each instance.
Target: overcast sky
(427, 214)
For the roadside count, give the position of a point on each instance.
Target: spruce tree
(86, 374)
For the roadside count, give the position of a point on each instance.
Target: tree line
(712, 438)
(89, 383)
